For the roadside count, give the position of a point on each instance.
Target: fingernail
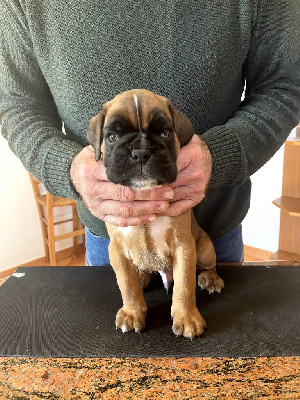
(151, 219)
(169, 194)
(162, 207)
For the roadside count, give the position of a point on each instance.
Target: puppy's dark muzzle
(141, 150)
(141, 155)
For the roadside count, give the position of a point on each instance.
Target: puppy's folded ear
(182, 125)
(95, 134)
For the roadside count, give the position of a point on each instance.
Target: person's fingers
(179, 207)
(131, 221)
(188, 192)
(183, 160)
(99, 171)
(185, 153)
(132, 209)
(164, 192)
(187, 177)
(111, 191)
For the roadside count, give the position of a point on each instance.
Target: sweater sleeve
(29, 118)
(271, 107)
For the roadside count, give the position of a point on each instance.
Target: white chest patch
(158, 231)
(156, 257)
(126, 230)
(159, 227)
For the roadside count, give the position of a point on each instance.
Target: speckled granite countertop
(151, 378)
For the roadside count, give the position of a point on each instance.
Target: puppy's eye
(113, 137)
(166, 133)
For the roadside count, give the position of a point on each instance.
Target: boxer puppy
(138, 135)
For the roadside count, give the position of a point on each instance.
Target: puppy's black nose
(141, 155)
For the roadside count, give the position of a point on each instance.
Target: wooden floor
(77, 261)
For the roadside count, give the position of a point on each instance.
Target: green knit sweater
(61, 60)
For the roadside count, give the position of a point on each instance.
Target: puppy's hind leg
(206, 262)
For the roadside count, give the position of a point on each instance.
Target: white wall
(20, 232)
(261, 225)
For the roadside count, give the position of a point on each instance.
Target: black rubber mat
(70, 312)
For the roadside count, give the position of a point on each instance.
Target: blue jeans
(228, 248)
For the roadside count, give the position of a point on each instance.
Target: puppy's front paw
(130, 320)
(210, 281)
(188, 324)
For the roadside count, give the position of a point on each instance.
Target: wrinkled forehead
(138, 108)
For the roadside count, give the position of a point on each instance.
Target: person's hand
(116, 204)
(194, 165)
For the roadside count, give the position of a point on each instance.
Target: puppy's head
(139, 134)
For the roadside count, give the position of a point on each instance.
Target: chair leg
(83, 239)
(51, 239)
(44, 228)
(42, 215)
(75, 227)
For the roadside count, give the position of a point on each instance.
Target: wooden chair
(45, 204)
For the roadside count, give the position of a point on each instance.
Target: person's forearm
(34, 136)
(29, 117)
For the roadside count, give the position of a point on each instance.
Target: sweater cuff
(227, 156)
(56, 171)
